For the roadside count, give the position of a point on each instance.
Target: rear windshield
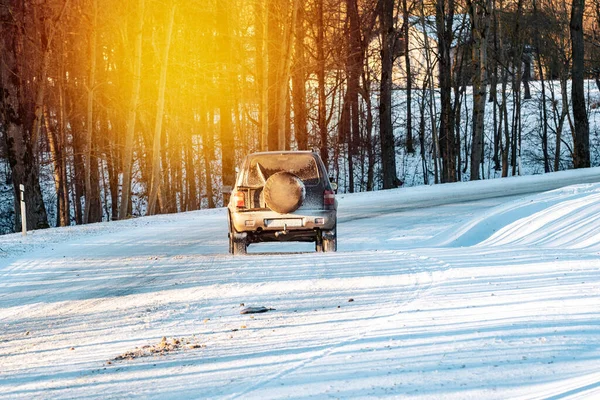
(261, 167)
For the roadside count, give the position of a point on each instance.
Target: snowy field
(475, 290)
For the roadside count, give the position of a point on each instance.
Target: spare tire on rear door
(284, 192)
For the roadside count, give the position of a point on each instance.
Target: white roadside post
(23, 211)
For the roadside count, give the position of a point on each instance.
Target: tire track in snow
(583, 387)
(86, 292)
(84, 325)
(65, 311)
(424, 265)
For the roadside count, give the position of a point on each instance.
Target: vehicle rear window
(261, 167)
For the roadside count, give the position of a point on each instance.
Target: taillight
(239, 199)
(328, 198)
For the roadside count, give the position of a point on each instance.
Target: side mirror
(334, 186)
(227, 189)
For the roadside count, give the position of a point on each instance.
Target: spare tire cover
(284, 192)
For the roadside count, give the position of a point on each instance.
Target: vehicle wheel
(230, 234)
(319, 245)
(330, 245)
(230, 243)
(239, 247)
(284, 192)
(235, 246)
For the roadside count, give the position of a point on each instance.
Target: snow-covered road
(486, 298)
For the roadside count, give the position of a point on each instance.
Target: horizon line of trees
(143, 107)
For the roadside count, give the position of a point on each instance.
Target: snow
(485, 289)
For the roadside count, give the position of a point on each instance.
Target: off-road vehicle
(282, 196)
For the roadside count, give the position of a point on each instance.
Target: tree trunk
(322, 118)
(353, 67)
(77, 177)
(208, 151)
(422, 137)
(517, 62)
(428, 95)
(131, 115)
(409, 79)
(225, 102)
(160, 107)
(262, 69)
(90, 120)
(507, 145)
(95, 205)
(276, 10)
(563, 114)
(480, 14)
(366, 94)
(113, 182)
(444, 25)
(56, 155)
(65, 216)
(386, 129)
(581, 135)
(190, 175)
(526, 76)
(493, 73)
(165, 191)
(299, 83)
(544, 113)
(284, 77)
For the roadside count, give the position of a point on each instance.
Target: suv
(282, 196)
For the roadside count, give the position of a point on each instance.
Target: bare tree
(299, 81)
(444, 12)
(480, 12)
(284, 77)
(262, 69)
(409, 79)
(156, 148)
(386, 129)
(581, 135)
(354, 63)
(92, 212)
(226, 80)
(322, 116)
(132, 114)
(537, 40)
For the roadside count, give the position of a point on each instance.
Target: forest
(114, 109)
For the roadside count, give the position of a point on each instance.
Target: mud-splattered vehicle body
(282, 196)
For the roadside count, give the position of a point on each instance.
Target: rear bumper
(269, 222)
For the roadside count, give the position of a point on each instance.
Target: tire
(230, 234)
(319, 245)
(239, 247)
(330, 245)
(327, 245)
(284, 192)
(236, 247)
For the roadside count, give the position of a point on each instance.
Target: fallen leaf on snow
(164, 346)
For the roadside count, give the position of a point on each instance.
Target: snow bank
(567, 218)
